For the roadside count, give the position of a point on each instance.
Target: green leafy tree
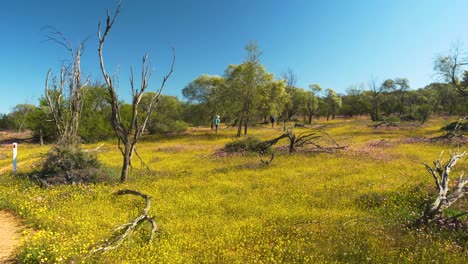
(205, 90)
(333, 103)
(354, 102)
(399, 88)
(95, 115)
(167, 117)
(375, 97)
(272, 98)
(312, 101)
(295, 104)
(19, 116)
(447, 99)
(244, 82)
(4, 122)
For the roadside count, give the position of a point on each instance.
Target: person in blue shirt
(216, 123)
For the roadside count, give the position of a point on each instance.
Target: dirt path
(9, 236)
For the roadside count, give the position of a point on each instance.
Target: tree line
(248, 94)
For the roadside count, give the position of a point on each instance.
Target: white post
(15, 154)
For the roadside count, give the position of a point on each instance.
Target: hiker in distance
(272, 120)
(216, 123)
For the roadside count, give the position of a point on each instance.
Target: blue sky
(336, 44)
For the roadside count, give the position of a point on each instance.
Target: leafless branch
(126, 230)
(440, 172)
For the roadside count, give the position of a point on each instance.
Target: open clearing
(351, 206)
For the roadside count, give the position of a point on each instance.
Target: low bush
(461, 126)
(169, 127)
(69, 164)
(248, 144)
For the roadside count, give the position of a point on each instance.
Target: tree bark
(41, 138)
(445, 197)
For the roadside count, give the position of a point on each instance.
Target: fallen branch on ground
(125, 231)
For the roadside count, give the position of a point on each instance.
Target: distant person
(272, 120)
(216, 123)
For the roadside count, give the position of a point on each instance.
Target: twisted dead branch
(302, 140)
(126, 230)
(268, 162)
(446, 197)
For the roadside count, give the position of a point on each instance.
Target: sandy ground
(10, 230)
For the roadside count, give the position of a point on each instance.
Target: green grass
(346, 207)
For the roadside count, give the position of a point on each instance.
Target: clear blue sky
(334, 43)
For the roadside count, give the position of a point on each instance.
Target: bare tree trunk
(41, 137)
(127, 159)
(445, 197)
(239, 128)
(130, 133)
(246, 125)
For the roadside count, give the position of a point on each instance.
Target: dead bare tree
(129, 134)
(125, 231)
(65, 96)
(451, 68)
(446, 197)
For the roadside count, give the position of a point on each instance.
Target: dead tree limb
(126, 230)
(269, 143)
(440, 172)
(143, 163)
(301, 140)
(268, 162)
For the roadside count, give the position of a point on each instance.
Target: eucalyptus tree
(206, 90)
(272, 97)
(290, 109)
(312, 101)
(19, 116)
(95, 115)
(375, 97)
(399, 87)
(354, 102)
(447, 100)
(333, 103)
(244, 82)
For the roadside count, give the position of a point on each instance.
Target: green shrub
(461, 126)
(391, 119)
(168, 127)
(69, 164)
(249, 144)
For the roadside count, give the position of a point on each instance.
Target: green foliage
(350, 207)
(5, 122)
(392, 119)
(95, 124)
(69, 164)
(168, 127)
(167, 117)
(458, 125)
(206, 92)
(247, 144)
